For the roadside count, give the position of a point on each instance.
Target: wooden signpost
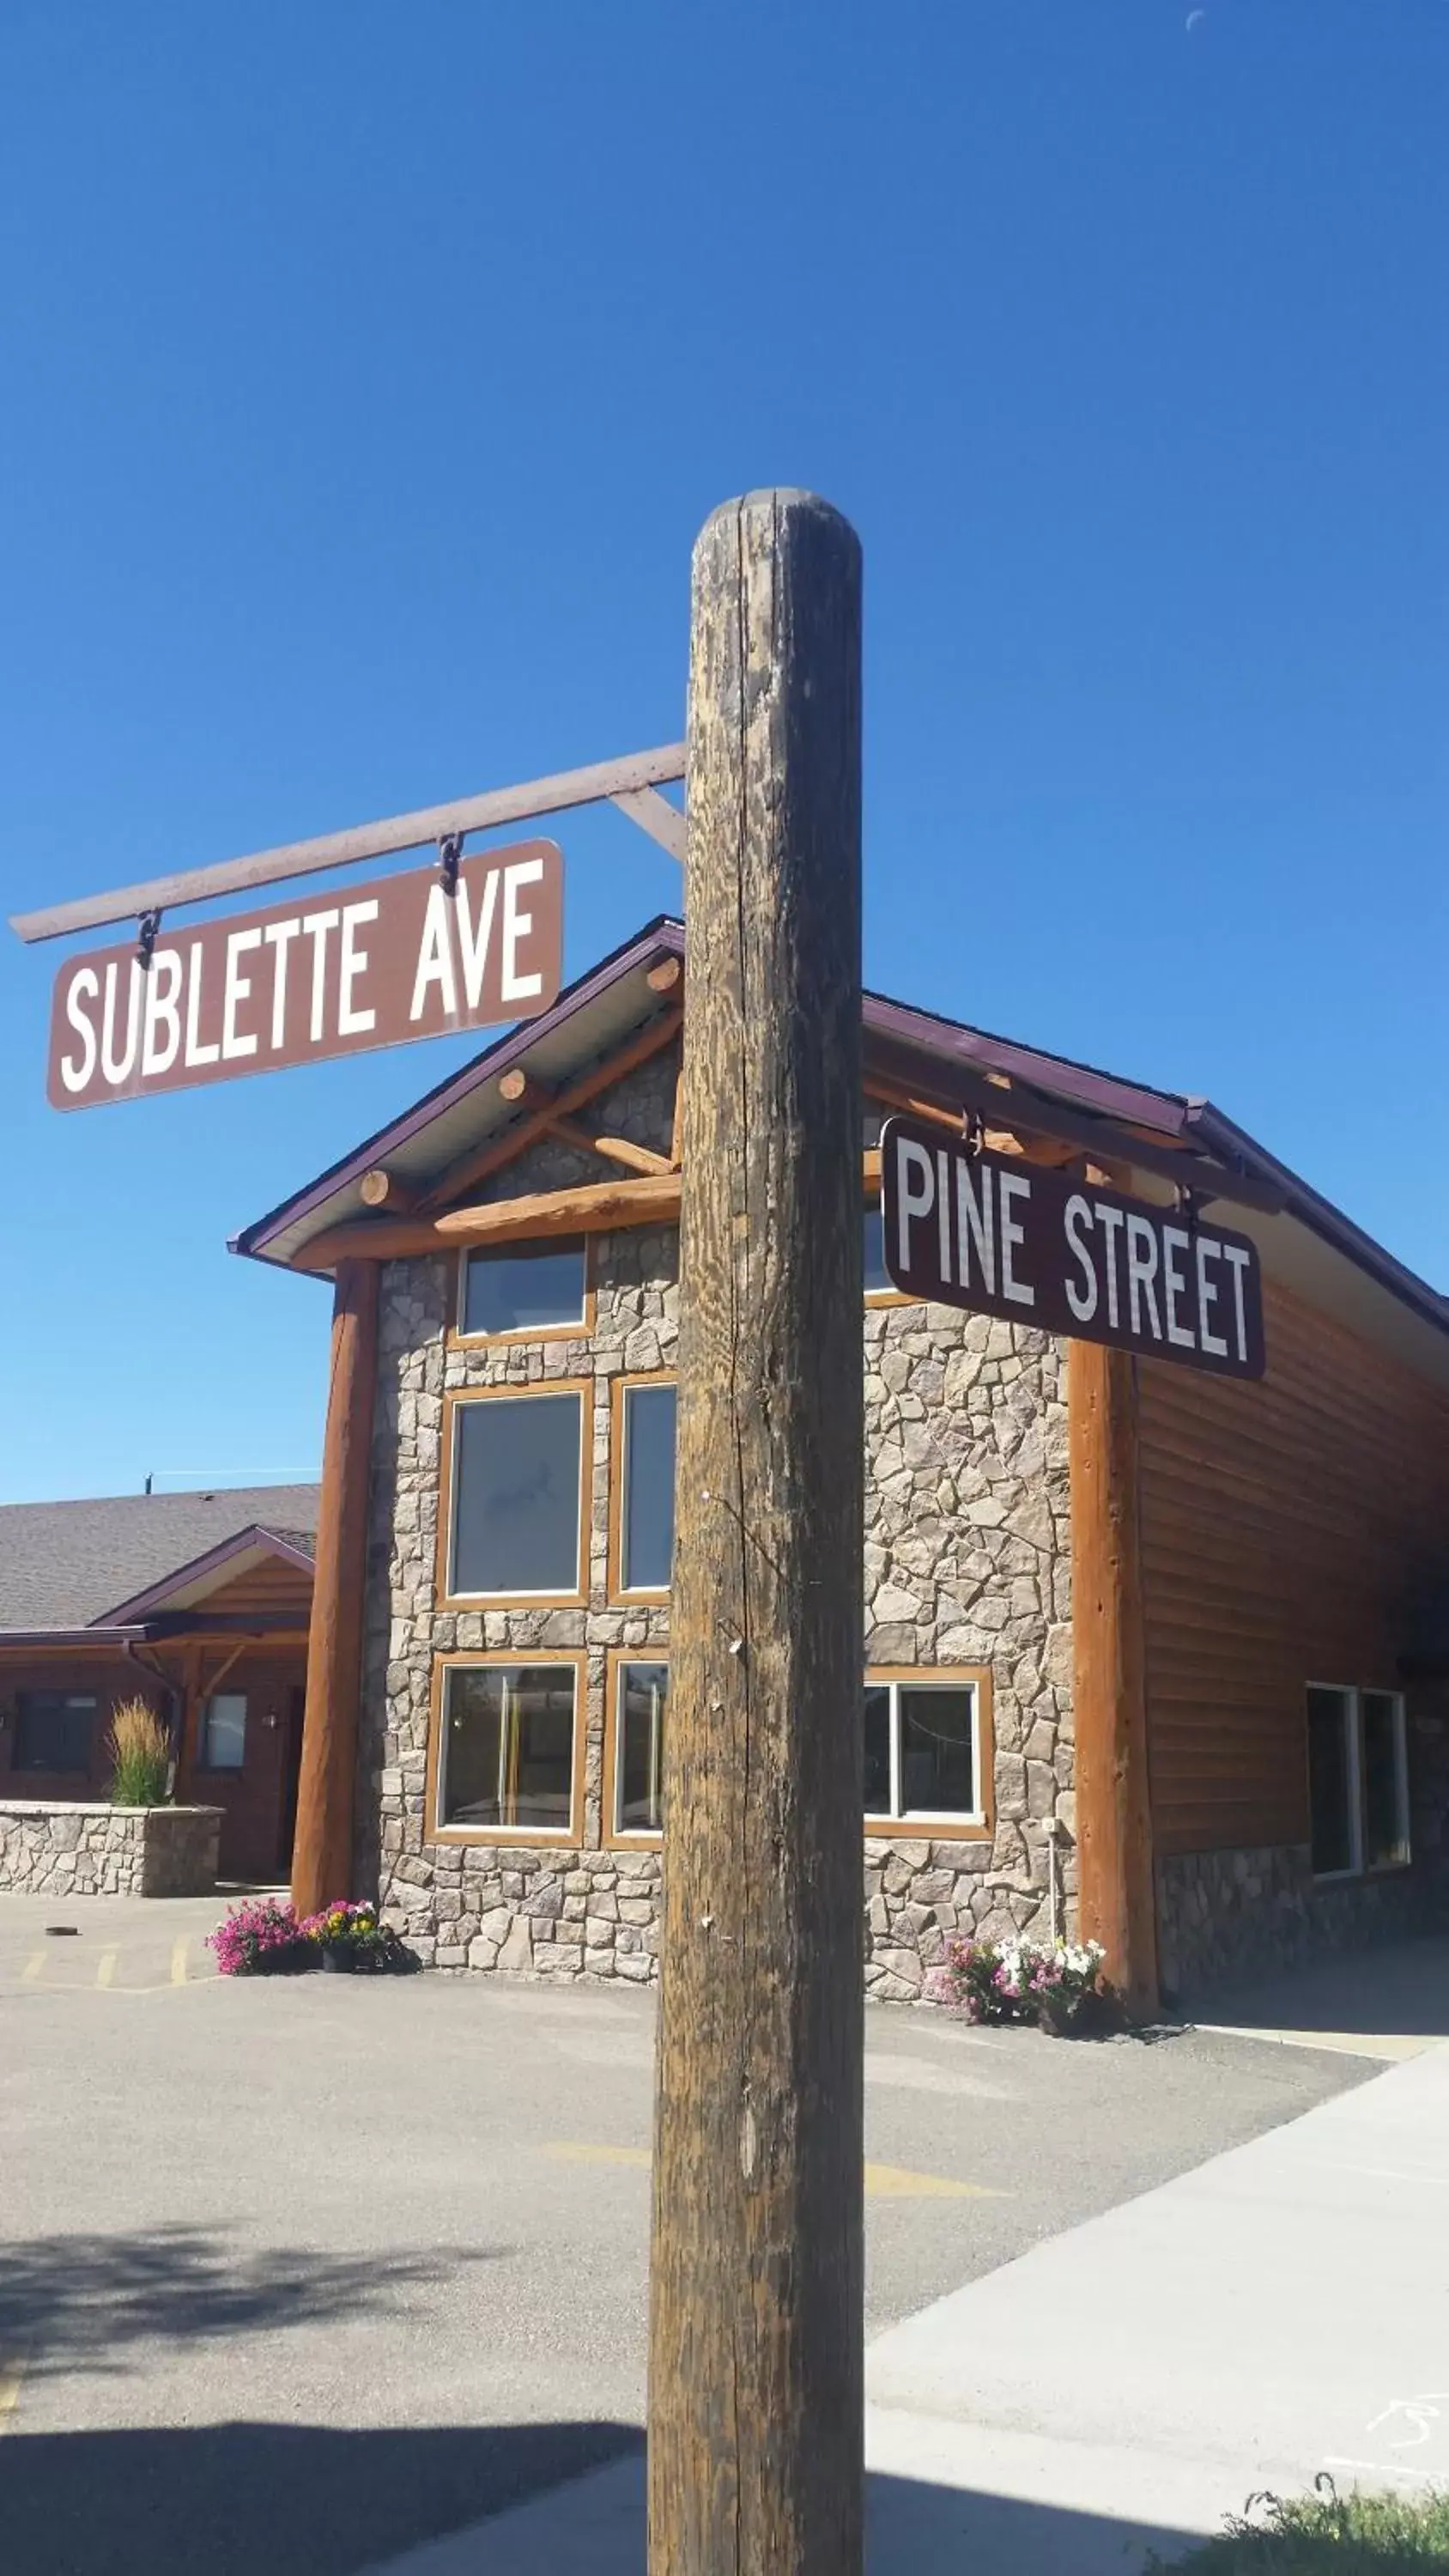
(755, 2354)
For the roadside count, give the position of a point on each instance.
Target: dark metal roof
(587, 1013)
(81, 1565)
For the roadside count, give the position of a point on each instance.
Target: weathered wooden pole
(755, 2395)
(322, 1844)
(1117, 1899)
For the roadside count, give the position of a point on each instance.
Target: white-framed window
(224, 1732)
(508, 1746)
(641, 1700)
(523, 1288)
(516, 1495)
(1358, 1780)
(648, 1412)
(924, 1758)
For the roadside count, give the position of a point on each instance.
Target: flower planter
(336, 1961)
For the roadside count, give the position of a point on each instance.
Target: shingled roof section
(65, 1565)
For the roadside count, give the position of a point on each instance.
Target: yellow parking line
(893, 2182)
(34, 1967)
(178, 1962)
(105, 1967)
(882, 2182)
(572, 2152)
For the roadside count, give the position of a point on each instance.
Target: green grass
(1329, 2535)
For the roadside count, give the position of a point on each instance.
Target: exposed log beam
(516, 1085)
(380, 1189)
(482, 1160)
(1045, 1150)
(615, 1149)
(1109, 1690)
(594, 1207)
(960, 1086)
(666, 977)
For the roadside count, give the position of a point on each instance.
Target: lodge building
(1247, 1763)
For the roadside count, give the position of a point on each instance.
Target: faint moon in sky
(1195, 18)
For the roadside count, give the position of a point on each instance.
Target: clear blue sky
(367, 372)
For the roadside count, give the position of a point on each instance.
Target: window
(644, 1451)
(1385, 1780)
(1358, 1783)
(524, 1288)
(921, 1753)
(224, 1731)
(641, 1700)
(506, 1756)
(516, 1504)
(54, 1730)
(923, 1758)
(877, 1280)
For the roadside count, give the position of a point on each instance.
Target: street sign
(404, 958)
(1001, 1236)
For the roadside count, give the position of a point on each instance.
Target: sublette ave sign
(403, 958)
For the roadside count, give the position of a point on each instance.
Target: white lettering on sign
(410, 957)
(998, 1235)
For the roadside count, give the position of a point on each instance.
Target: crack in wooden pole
(756, 2334)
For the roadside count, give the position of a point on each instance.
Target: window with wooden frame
(928, 1750)
(514, 1292)
(634, 1722)
(1358, 1780)
(506, 1749)
(513, 1517)
(641, 1489)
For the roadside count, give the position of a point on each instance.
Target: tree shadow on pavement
(82, 2303)
(290, 2499)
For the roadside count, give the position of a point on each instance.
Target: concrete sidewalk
(1282, 2309)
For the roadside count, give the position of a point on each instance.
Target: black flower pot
(336, 1961)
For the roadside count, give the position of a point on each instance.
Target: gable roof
(1309, 1241)
(91, 1564)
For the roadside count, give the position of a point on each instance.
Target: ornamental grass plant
(1326, 2534)
(140, 1751)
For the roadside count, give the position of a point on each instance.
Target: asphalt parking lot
(297, 2272)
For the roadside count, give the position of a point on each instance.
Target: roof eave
(664, 936)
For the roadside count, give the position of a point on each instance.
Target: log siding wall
(1287, 1529)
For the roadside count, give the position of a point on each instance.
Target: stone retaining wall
(52, 1849)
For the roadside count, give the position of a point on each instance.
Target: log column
(322, 1846)
(1114, 1812)
(755, 2372)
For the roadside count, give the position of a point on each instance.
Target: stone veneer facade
(62, 1849)
(966, 1564)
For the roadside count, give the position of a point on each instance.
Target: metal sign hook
(450, 853)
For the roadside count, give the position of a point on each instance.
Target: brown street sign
(335, 974)
(1000, 1236)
